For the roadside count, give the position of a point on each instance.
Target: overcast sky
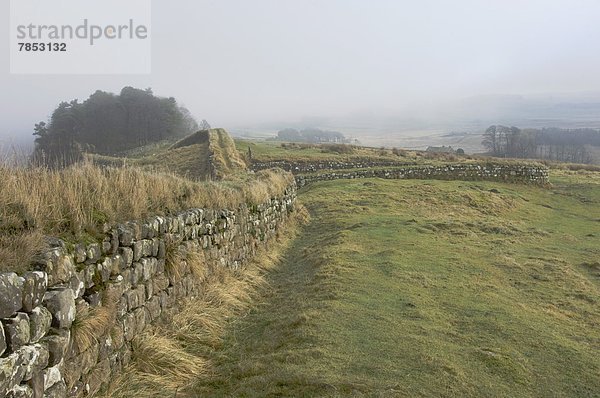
(245, 62)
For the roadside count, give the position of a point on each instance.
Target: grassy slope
(273, 150)
(187, 158)
(429, 288)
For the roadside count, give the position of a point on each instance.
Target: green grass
(273, 150)
(428, 288)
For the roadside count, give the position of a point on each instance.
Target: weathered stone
(11, 373)
(34, 287)
(33, 358)
(2, 340)
(21, 391)
(93, 252)
(58, 390)
(118, 265)
(129, 326)
(36, 383)
(106, 247)
(79, 253)
(118, 337)
(93, 298)
(105, 347)
(52, 376)
(16, 330)
(153, 306)
(77, 286)
(149, 290)
(127, 254)
(11, 294)
(132, 298)
(147, 246)
(155, 247)
(59, 266)
(40, 321)
(125, 235)
(103, 270)
(140, 320)
(90, 273)
(122, 306)
(61, 304)
(160, 266)
(57, 345)
(137, 250)
(161, 282)
(148, 268)
(137, 274)
(161, 249)
(89, 358)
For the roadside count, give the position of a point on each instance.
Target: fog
(367, 66)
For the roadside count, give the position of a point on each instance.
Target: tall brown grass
(173, 355)
(78, 199)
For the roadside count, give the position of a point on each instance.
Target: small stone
(106, 247)
(11, 373)
(36, 383)
(61, 304)
(58, 390)
(125, 235)
(21, 391)
(34, 287)
(2, 340)
(11, 294)
(127, 254)
(93, 252)
(51, 376)
(129, 327)
(40, 321)
(57, 346)
(33, 358)
(16, 330)
(79, 253)
(138, 247)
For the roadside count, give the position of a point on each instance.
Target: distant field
(428, 288)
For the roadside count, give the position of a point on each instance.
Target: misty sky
(242, 63)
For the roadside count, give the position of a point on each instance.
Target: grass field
(428, 288)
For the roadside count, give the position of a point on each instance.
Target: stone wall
(516, 173)
(112, 290)
(307, 166)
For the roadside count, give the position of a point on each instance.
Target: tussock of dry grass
(92, 323)
(76, 200)
(172, 356)
(18, 250)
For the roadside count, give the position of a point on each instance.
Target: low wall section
(112, 290)
(515, 173)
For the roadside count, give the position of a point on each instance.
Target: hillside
(204, 155)
(428, 288)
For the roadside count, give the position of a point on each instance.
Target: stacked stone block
(514, 173)
(122, 279)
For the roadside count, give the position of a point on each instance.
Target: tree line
(565, 145)
(106, 123)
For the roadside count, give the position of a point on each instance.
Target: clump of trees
(106, 123)
(311, 135)
(565, 145)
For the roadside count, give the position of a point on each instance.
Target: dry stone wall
(307, 166)
(112, 290)
(516, 173)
